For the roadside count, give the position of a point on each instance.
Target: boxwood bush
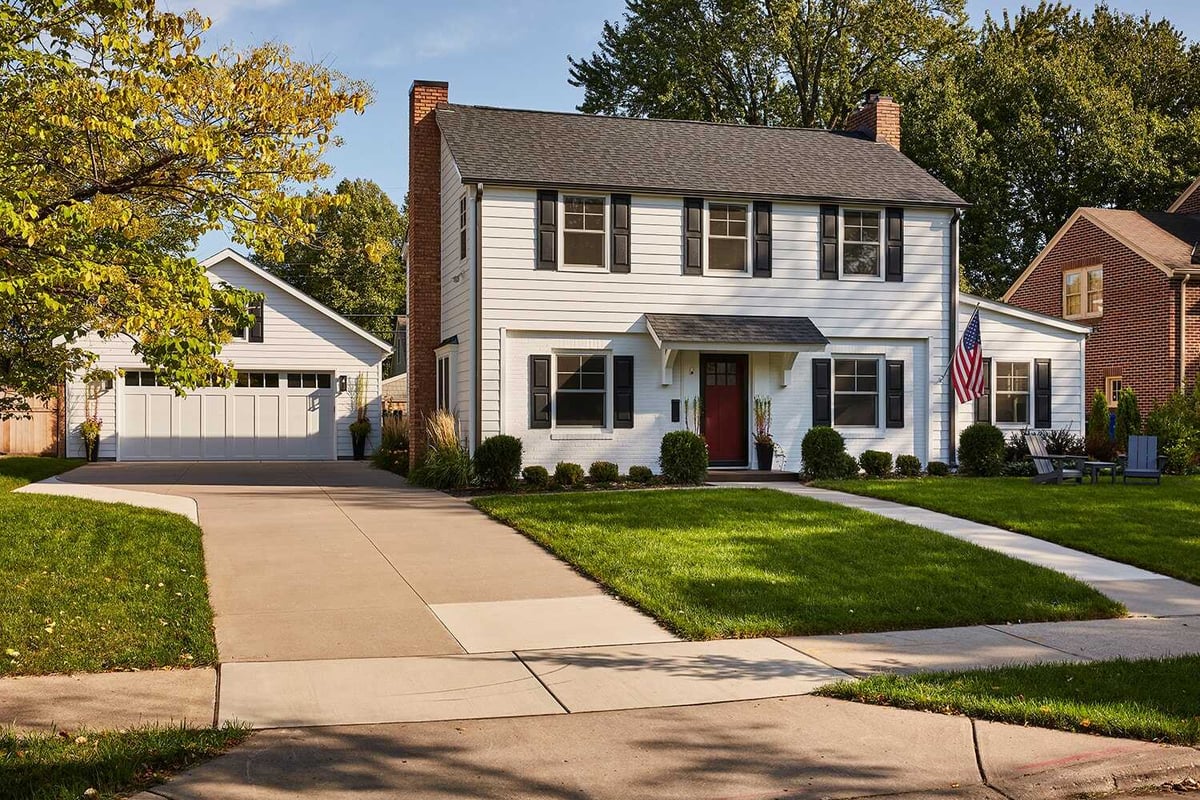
(567, 474)
(876, 463)
(937, 469)
(498, 461)
(908, 466)
(536, 476)
(683, 457)
(640, 474)
(604, 472)
(981, 450)
(823, 452)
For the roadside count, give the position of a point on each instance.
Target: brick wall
(1135, 338)
(424, 256)
(1191, 204)
(879, 118)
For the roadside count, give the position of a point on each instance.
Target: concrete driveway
(334, 560)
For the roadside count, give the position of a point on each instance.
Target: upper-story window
(583, 231)
(728, 238)
(1083, 292)
(861, 242)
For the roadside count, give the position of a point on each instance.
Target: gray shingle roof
(495, 145)
(734, 329)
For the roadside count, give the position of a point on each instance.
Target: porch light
(342, 383)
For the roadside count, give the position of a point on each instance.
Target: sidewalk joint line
(538, 678)
(1000, 629)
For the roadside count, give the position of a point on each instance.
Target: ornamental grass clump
(447, 464)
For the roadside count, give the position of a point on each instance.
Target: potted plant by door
(360, 429)
(764, 444)
(89, 431)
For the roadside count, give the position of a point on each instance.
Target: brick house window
(1112, 389)
(1012, 392)
(1083, 292)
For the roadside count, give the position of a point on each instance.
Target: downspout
(1183, 282)
(477, 350)
(952, 333)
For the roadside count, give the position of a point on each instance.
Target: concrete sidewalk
(1142, 592)
(804, 747)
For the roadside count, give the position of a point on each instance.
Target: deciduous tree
(121, 142)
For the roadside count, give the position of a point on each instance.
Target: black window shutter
(1041, 393)
(255, 333)
(693, 234)
(539, 391)
(829, 243)
(622, 391)
(822, 396)
(895, 244)
(983, 403)
(620, 233)
(895, 394)
(762, 239)
(547, 229)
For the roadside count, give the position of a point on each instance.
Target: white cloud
(221, 10)
(454, 35)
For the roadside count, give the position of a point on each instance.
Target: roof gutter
(477, 370)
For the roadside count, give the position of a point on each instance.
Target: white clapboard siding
(1020, 336)
(519, 301)
(458, 283)
(296, 338)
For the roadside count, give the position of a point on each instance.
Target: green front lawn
(1152, 699)
(88, 586)
(1153, 527)
(715, 563)
(41, 766)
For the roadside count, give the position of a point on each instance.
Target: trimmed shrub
(981, 450)
(683, 457)
(822, 452)
(908, 466)
(876, 463)
(1099, 446)
(1176, 423)
(1129, 419)
(640, 474)
(567, 474)
(937, 469)
(535, 476)
(498, 461)
(848, 468)
(604, 472)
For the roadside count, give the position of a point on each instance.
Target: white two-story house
(580, 282)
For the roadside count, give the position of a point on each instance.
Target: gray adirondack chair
(1051, 468)
(1142, 460)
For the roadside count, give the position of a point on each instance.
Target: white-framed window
(444, 402)
(728, 229)
(856, 392)
(1112, 389)
(462, 226)
(862, 242)
(584, 228)
(581, 389)
(1083, 292)
(1012, 392)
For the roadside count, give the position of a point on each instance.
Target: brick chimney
(878, 117)
(424, 257)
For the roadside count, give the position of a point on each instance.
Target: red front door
(723, 396)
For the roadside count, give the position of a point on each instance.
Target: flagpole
(950, 363)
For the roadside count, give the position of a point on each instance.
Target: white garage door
(267, 416)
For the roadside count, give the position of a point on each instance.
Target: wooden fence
(39, 433)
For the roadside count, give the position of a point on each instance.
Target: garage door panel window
(258, 380)
(581, 383)
(1012, 392)
(309, 380)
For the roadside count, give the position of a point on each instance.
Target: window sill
(854, 276)
(581, 268)
(559, 435)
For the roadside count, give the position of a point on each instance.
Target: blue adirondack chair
(1142, 460)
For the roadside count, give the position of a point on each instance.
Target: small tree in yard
(1099, 445)
(1129, 419)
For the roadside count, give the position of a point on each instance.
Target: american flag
(968, 363)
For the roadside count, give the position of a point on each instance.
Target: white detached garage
(294, 398)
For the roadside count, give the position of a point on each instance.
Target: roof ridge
(617, 117)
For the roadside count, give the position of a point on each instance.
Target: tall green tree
(352, 261)
(761, 62)
(121, 142)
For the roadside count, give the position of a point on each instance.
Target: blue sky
(511, 53)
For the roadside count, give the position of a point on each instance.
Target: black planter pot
(360, 446)
(766, 455)
(93, 450)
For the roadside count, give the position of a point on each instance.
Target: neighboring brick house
(1134, 277)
